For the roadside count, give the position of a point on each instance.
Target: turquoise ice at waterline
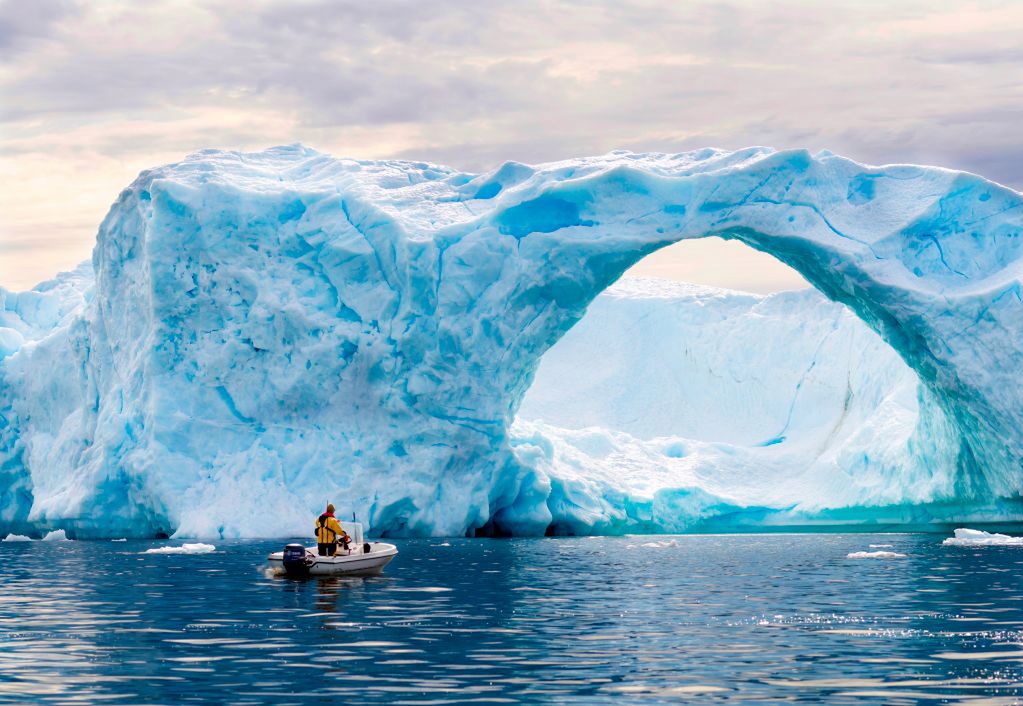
(269, 329)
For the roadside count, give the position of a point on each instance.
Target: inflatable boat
(360, 559)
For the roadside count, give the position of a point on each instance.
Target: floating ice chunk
(198, 548)
(56, 536)
(17, 538)
(119, 540)
(874, 555)
(880, 546)
(979, 538)
(660, 544)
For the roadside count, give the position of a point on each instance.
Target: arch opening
(702, 408)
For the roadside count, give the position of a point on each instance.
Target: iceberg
(258, 333)
(196, 548)
(979, 538)
(874, 555)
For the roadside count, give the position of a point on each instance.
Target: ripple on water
(772, 618)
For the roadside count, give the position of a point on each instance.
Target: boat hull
(356, 564)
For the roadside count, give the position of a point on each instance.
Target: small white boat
(361, 559)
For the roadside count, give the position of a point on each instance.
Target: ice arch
(929, 258)
(260, 321)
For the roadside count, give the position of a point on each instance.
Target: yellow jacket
(328, 529)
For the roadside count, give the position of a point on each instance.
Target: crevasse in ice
(260, 332)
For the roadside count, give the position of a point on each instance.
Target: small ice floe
(978, 538)
(874, 555)
(660, 544)
(119, 540)
(17, 538)
(198, 548)
(880, 546)
(56, 536)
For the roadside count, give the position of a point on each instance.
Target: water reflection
(687, 619)
(328, 591)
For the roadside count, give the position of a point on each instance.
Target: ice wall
(269, 330)
(689, 405)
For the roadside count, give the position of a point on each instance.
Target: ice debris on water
(978, 538)
(197, 548)
(56, 536)
(251, 320)
(659, 544)
(874, 555)
(17, 538)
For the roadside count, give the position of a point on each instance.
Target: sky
(93, 92)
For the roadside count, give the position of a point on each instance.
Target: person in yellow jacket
(329, 532)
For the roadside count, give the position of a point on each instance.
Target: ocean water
(691, 619)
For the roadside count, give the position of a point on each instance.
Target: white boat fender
(295, 563)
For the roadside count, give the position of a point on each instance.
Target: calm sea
(693, 619)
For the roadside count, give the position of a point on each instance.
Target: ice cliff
(258, 333)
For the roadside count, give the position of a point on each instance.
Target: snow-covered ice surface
(197, 548)
(978, 538)
(17, 538)
(258, 333)
(56, 536)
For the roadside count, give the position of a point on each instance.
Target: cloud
(23, 24)
(1001, 55)
(107, 88)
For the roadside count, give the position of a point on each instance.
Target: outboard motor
(294, 560)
